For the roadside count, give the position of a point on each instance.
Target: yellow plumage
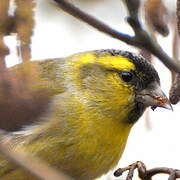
(91, 112)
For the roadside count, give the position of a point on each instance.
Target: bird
(95, 98)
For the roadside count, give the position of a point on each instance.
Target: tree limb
(145, 174)
(140, 40)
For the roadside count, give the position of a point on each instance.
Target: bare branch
(174, 94)
(140, 40)
(175, 90)
(145, 174)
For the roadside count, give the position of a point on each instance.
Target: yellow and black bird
(95, 99)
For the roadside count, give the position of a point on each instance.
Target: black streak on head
(145, 70)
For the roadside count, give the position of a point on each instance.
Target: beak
(153, 96)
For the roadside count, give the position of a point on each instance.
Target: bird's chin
(153, 97)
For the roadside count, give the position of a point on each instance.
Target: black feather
(144, 69)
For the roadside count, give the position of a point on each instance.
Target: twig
(36, 167)
(140, 40)
(175, 90)
(145, 174)
(174, 93)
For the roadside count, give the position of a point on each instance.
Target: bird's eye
(126, 76)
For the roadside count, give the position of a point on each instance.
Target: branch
(145, 174)
(175, 90)
(36, 167)
(174, 94)
(140, 40)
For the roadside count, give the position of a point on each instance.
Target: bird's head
(120, 80)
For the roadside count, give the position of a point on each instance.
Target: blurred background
(155, 137)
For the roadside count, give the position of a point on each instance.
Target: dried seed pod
(4, 5)
(156, 16)
(178, 15)
(24, 17)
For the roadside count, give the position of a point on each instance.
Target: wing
(26, 91)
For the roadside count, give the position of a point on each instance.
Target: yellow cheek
(121, 91)
(118, 83)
